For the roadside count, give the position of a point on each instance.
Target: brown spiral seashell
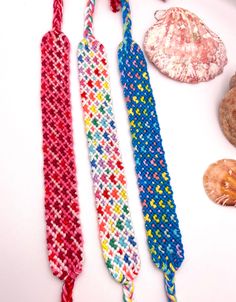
(227, 113)
(220, 182)
(182, 47)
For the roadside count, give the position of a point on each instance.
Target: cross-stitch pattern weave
(115, 227)
(64, 239)
(161, 222)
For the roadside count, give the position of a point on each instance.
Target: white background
(192, 140)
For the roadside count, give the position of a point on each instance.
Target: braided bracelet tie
(161, 222)
(116, 232)
(64, 238)
(115, 5)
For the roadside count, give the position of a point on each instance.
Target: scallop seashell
(227, 113)
(220, 182)
(182, 47)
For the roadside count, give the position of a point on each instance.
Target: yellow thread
(149, 233)
(143, 100)
(130, 111)
(140, 87)
(132, 124)
(170, 204)
(100, 96)
(135, 99)
(140, 125)
(104, 245)
(93, 109)
(112, 228)
(145, 112)
(106, 85)
(164, 219)
(159, 190)
(84, 41)
(87, 121)
(155, 217)
(147, 218)
(123, 194)
(153, 251)
(117, 209)
(161, 203)
(164, 175)
(105, 156)
(172, 268)
(145, 76)
(168, 190)
(117, 269)
(95, 143)
(121, 277)
(152, 203)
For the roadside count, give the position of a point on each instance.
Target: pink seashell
(182, 47)
(220, 182)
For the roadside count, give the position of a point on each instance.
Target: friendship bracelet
(116, 232)
(161, 222)
(64, 238)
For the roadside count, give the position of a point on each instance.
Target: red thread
(57, 15)
(115, 5)
(67, 290)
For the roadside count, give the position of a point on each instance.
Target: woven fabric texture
(64, 238)
(161, 222)
(116, 232)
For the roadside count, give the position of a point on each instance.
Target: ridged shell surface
(182, 47)
(220, 182)
(232, 83)
(227, 116)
